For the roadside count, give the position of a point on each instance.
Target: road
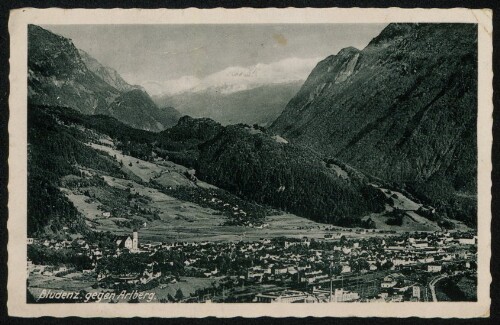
(432, 286)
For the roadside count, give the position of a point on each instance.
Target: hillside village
(337, 268)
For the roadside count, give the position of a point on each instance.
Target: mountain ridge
(59, 76)
(259, 105)
(109, 75)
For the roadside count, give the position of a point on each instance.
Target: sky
(171, 59)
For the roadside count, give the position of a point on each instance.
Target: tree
(179, 295)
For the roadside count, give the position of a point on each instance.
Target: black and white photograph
(253, 163)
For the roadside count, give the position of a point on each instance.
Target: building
(135, 241)
(420, 244)
(346, 269)
(416, 292)
(30, 241)
(280, 270)
(342, 295)
(304, 242)
(124, 242)
(434, 268)
(130, 243)
(402, 261)
(339, 295)
(333, 236)
(388, 283)
(287, 296)
(467, 241)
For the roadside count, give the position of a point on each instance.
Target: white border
(17, 223)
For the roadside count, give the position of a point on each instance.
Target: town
(337, 268)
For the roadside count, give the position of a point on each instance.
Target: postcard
(250, 162)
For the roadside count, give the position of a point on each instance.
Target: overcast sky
(176, 58)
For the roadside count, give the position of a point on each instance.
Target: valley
(367, 174)
(165, 218)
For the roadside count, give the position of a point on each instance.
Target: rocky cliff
(109, 75)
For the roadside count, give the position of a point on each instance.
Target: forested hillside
(53, 152)
(240, 159)
(403, 109)
(254, 165)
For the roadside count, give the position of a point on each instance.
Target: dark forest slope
(403, 109)
(254, 165)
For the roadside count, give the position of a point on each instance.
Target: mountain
(139, 111)
(260, 105)
(382, 137)
(257, 166)
(109, 75)
(403, 109)
(58, 75)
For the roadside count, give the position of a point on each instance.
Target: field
(171, 219)
(411, 221)
(162, 217)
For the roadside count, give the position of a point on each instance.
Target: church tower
(135, 241)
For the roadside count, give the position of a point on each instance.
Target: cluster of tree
(102, 124)
(122, 203)
(54, 151)
(396, 217)
(254, 167)
(452, 291)
(180, 143)
(368, 224)
(449, 203)
(142, 151)
(103, 240)
(125, 263)
(130, 224)
(178, 296)
(48, 209)
(446, 224)
(69, 257)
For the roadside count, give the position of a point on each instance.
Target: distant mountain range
(403, 109)
(260, 105)
(61, 75)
